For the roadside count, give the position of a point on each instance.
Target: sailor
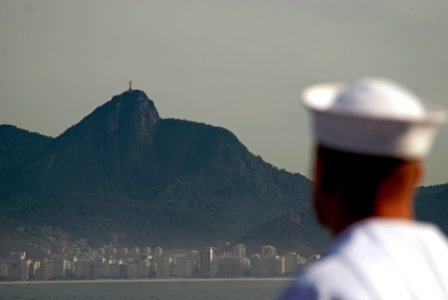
(371, 136)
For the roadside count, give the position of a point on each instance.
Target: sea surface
(243, 289)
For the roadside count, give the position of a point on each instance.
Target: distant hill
(18, 146)
(125, 170)
(290, 232)
(432, 205)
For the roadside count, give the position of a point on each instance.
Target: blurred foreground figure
(371, 136)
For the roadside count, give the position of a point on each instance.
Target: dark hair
(355, 177)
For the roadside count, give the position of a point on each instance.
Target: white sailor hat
(372, 116)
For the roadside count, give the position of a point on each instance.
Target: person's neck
(402, 211)
(394, 201)
(336, 229)
(398, 207)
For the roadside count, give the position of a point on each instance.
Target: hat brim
(321, 98)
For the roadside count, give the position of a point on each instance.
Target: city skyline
(79, 261)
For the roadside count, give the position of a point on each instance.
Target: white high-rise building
(36, 268)
(164, 266)
(14, 264)
(291, 263)
(272, 266)
(206, 257)
(105, 268)
(232, 266)
(114, 269)
(68, 267)
(4, 270)
(183, 266)
(80, 268)
(268, 250)
(158, 251)
(47, 270)
(25, 269)
(137, 269)
(59, 269)
(239, 250)
(255, 265)
(94, 269)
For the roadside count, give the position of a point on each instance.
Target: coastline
(156, 280)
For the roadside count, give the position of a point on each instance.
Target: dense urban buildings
(117, 262)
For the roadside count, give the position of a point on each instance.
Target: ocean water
(246, 289)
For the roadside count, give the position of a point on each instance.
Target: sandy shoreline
(158, 280)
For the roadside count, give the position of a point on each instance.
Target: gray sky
(237, 64)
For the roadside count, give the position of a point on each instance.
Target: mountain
(431, 205)
(125, 170)
(290, 232)
(18, 146)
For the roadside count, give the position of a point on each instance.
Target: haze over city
(236, 64)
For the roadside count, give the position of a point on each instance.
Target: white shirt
(379, 259)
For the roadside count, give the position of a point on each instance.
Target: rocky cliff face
(112, 144)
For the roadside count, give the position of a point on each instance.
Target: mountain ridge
(125, 169)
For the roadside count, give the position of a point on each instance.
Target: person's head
(371, 137)
(349, 187)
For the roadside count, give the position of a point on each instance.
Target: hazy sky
(236, 64)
